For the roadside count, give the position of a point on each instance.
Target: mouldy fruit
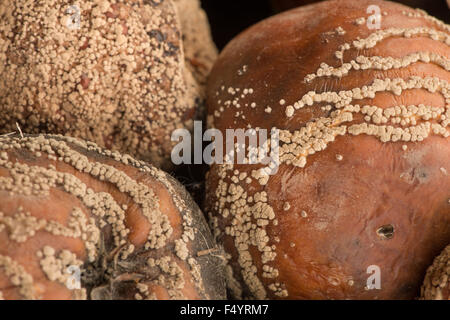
(437, 280)
(79, 222)
(123, 74)
(363, 187)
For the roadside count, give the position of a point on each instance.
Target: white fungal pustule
(436, 285)
(316, 117)
(125, 76)
(100, 212)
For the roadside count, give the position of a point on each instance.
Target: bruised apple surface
(364, 175)
(80, 222)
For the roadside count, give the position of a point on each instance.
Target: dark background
(229, 17)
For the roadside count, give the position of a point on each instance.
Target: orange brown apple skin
(360, 201)
(132, 230)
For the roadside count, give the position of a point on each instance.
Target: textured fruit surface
(123, 75)
(364, 177)
(437, 280)
(80, 222)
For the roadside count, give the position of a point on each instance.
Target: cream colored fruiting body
(124, 79)
(55, 267)
(379, 63)
(419, 13)
(378, 36)
(437, 278)
(22, 226)
(198, 48)
(97, 211)
(18, 277)
(245, 217)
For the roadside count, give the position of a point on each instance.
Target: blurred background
(229, 18)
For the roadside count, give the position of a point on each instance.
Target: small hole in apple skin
(386, 231)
